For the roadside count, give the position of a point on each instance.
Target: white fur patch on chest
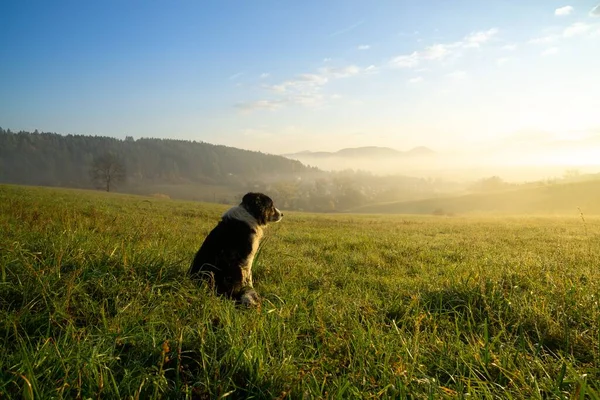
(241, 214)
(247, 265)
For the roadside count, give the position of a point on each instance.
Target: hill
(362, 152)
(563, 198)
(51, 159)
(379, 160)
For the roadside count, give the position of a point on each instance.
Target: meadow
(95, 303)
(543, 200)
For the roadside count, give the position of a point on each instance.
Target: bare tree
(107, 170)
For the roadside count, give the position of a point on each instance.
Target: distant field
(194, 192)
(94, 303)
(558, 199)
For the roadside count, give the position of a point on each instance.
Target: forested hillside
(51, 159)
(197, 171)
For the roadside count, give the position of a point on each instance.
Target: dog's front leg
(248, 297)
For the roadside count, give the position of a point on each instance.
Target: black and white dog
(226, 256)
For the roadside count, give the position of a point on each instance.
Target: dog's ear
(258, 200)
(251, 202)
(249, 198)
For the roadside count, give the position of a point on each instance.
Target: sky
(283, 76)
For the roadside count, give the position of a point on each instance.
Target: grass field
(556, 199)
(94, 303)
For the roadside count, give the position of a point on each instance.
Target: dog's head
(261, 207)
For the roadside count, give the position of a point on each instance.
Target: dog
(226, 256)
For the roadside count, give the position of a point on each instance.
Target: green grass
(94, 303)
(555, 199)
(187, 191)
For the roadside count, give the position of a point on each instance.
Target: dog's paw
(250, 298)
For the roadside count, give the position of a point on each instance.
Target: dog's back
(223, 255)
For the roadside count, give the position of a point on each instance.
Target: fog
(515, 160)
(509, 177)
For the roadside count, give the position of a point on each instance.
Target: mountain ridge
(364, 152)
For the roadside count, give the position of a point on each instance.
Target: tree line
(51, 159)
(189, 170)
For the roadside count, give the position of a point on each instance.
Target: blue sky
(288, 76)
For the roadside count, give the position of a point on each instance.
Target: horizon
(286, 78)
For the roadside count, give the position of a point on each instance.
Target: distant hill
(565, 198)
(363, 152)
(370, 158)
(420, 151)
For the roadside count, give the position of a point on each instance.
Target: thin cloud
(343, 72)
(364, 47)
(430, 53)
(502, 61)
(305, 100)
(264, 75)
(371, 69)
(236, 76)
(578, 28)
(260, 105)
(347, 29)
(573, 30)
(509, 47)
(304, 89)
(416, 80)
(442, 51)
(437, 51)
(595, 12)
(476, 39)
(302, 83)
(406, 61)
(550, 52)
(563, 11)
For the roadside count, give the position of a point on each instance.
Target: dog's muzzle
(276, 216)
